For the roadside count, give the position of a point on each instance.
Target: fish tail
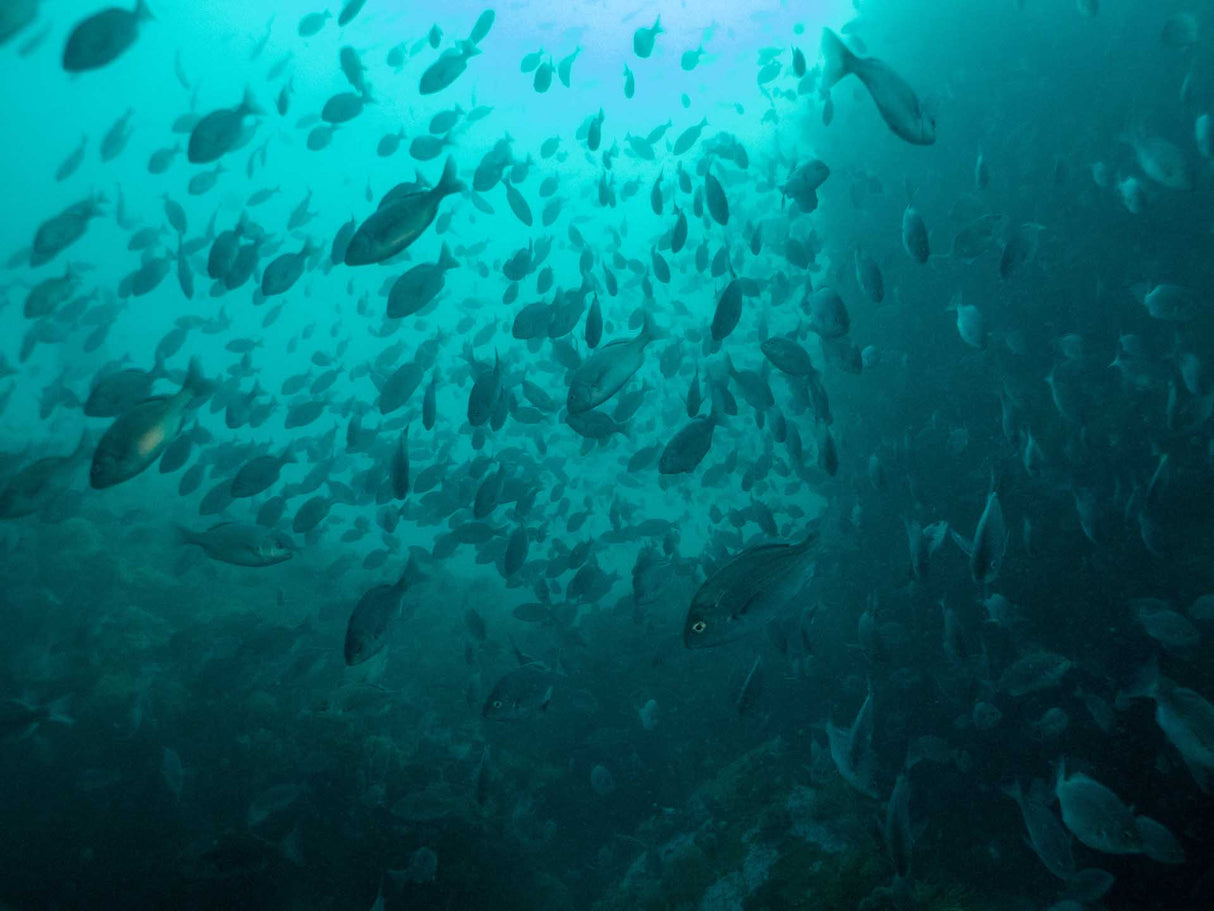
(248, 104)
(1145, 684)
(838, 60)
(1012, 790)
(445, 259)
(811, 534)
(195, 382)
(966, 545)
(57, 711)
(185, 535)
(82, 446)
(411, 575)
(449, 182)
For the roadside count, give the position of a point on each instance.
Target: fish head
(581, 398)
(357, 648)
(502, 705)
(705, 628)
(104, 470)
(277, 547)
(927, 129)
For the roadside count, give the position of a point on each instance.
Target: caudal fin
(837, 60)
(449, 183)
(1144, 685)
(445, 259)
(195, 382)
(185, 535)
(57, 711)
(248, 104)
(966, 545)
(411, 575)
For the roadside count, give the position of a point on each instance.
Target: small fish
(447, 68)
(643, 38)
(520, 694)
(989, 544)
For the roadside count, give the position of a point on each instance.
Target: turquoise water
(807, 513)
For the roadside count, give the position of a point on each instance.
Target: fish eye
(497, 703)
(699, 626)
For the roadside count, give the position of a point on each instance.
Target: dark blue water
(551, 458)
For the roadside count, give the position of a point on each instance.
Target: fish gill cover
(606, 456)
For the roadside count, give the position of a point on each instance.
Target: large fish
(369, 621)
(137, 438)
(895, 99)
(747, 592)
(604, 373)
(1095, 815)
(241, 544)
(392, 228)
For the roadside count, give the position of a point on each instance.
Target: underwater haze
(711, 456)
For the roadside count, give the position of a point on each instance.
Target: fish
(1095, 815)
(373, 615)
(643, 38)
(895, 99)
(447, 68)
(37, 485)
(259, 473)
(480, 28)
(851, 748)
(1160, 160)
(1169, 302)
(240, 544)
(19, 718)
(218, 132)
(312, 23)
(989, 544)
(70, 164)
(284, 271)
(828, 315)
(394, 227)
(520, 694)
(971, 325)
(100, 39)
(1185, 717)
(914, 235)
(17, 15)
(137, 438)
(747, 592)
(56, 234)
(1050, 841)
(605, 372)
